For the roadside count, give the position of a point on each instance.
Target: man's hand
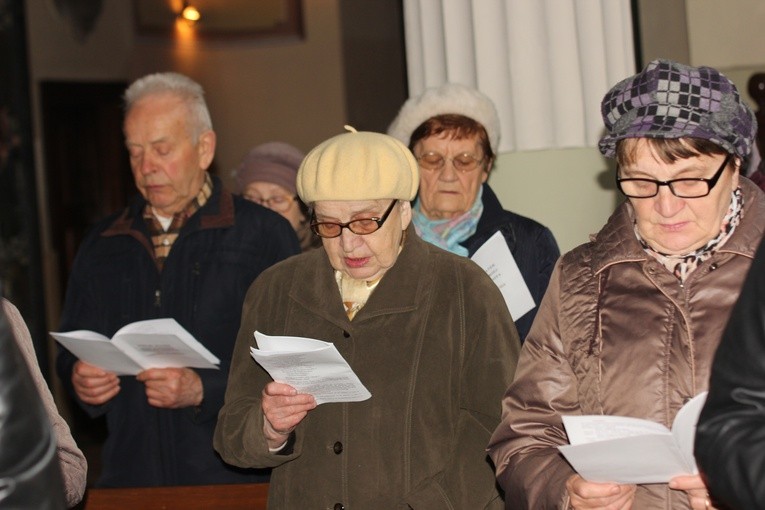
(93, 385)
(172, 388)
(283, 408)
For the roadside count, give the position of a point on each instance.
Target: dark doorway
(87, 169)
(88, 177)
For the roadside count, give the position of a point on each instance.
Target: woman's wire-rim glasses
(465, 162)
(277, 202)
(361, 227)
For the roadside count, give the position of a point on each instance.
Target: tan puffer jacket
(615, 334)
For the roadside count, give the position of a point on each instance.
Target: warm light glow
(190, 13)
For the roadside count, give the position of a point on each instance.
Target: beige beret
(358, 166)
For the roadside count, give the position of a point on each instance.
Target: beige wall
(570, 191)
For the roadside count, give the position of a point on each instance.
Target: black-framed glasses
(360, 227)
(689, 187)
(464, 162)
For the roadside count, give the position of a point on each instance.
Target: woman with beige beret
(426, 331)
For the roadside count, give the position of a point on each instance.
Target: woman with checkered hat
(632, 319)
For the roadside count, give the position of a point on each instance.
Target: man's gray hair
(183, 87)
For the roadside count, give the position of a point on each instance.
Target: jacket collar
(616, 242)
(218, 212)
(492, 219)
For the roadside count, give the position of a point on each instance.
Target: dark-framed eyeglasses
(689, 187)
(465, 162)
(360, 227)
(279, 203)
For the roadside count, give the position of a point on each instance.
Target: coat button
(713, 266)
(337, 448)
(339, 506)
(346, 334)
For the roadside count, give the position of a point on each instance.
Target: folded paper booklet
(630, 450)
(310, 366)
(155, 343)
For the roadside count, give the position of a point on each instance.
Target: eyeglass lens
(683, 188)
(362, 226)
(464, 162)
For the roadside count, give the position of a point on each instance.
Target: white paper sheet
(495, 258)
(310, 366)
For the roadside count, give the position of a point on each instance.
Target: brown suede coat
(436, 347)
(616, 334)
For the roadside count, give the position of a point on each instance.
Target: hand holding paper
(630, 450)
(154, 343)
(310, 366)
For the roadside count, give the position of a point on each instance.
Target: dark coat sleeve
(730, 439)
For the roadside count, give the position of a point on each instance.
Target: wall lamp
(190, 13)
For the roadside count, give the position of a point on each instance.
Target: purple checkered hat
(671, 100)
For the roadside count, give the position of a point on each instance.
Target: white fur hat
(449, 98)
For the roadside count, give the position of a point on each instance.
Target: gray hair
(183, 87)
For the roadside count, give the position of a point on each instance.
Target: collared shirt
(163, 238)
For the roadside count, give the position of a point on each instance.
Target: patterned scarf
(355, 293)
(683, 265)
(164, 238)
(448, 234)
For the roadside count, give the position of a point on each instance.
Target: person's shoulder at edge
(74, 466)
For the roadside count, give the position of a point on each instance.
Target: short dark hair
(459, 126)
(668, 150)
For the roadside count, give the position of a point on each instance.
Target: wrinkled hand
(172, 388)
(283, 408)
(93, 385)
(606, 496)
(695, 489)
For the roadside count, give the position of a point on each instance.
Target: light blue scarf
(448, 234)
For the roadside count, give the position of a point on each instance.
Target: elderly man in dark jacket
(186, 249)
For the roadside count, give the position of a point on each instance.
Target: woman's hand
(283, 408)
(606, 496)
(694, 487)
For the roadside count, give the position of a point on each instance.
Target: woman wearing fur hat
(266, 176)
(632, 319)
(427, 332)
(453, 131)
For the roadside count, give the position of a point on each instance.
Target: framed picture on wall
(221, 18)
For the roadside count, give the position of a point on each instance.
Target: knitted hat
(449, 98)
(671, 100)
(358, 166)
(274, 162)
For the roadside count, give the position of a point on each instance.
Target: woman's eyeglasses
(360, 227)
(278, 203)
(434, 161)
(694, 187)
